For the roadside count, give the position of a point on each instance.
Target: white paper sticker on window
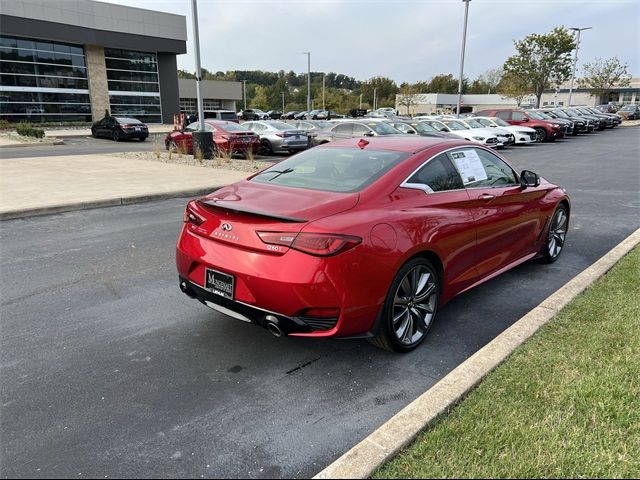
(469, 165)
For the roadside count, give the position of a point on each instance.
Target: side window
(343, 129)
(438, 175)
(504, 115)
(257, 127)
(359, 129)
(518, 116)
(480, 169)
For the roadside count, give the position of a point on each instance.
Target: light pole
(575, 59)
(308, 54)
(464, 41)
(283, 103)
(360, 102)
(244, 93)
(202, 140)
(375, 98)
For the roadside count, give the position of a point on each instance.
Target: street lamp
(202, 140)
(575, 58)
(464, 41)
(308, 54)
(375, 99)
(244, 93)
(323, 75)
(283, 103)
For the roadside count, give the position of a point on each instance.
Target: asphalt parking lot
(107, 369)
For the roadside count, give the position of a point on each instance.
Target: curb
(113, 202)
(34, 144)
(385, 442)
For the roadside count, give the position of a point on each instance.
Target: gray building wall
(215, 89)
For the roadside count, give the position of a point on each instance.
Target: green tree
(185, 74)
(601, 76)
(515, 86)
(445, 84)
(408, 98)
(259, 99)
(385, 88)
(544, 60)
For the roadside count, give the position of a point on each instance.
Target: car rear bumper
(285, 286)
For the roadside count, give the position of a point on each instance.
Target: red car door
(508, 218)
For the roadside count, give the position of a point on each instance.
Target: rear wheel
(409, 308)
(557, 235)
(116, 136)
(266, 148)
(541, 135)
(142, 139)
(93, 133)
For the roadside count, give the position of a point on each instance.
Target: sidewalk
(86, 132)
(40, 186)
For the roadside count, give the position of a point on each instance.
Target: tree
(491, 78)
(601, 76)
(259, 99)
(185, 74)
(386, 90)
(444, 84)
(408, 97)
(515, 86)
(543, 60)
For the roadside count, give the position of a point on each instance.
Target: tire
(142, 139)
(116, 136)
(556, 235)
(93, 133)
(541, 135)
(413, 301)
(172, 147)
(266, 148)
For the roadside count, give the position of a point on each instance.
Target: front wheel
(541, 135)
(557, 235)
(409, 308)
(266, 148)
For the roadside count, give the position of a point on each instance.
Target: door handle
(486, 197)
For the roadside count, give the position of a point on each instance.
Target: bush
(4, 124)
(28, 130)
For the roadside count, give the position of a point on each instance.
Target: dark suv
(226, 115)
(546, 130)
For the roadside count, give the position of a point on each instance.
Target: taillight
(319, 244)
(281, 135)
(192, 217)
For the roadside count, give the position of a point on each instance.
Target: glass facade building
(43, 81)
(134, 87)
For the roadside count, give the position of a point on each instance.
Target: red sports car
(227, 137)
(366, 237)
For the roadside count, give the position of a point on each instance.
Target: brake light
(192, 217)
(318, 244)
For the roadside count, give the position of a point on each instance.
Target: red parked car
(227, 137)
(546, 130)
(366, 238)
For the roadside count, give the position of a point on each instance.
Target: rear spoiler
(220, 204)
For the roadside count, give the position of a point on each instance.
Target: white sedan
(480, 135)
(522, 134)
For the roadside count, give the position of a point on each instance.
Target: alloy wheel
(557, 233)
(414, 305)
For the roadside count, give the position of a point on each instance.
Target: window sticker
(469, 166)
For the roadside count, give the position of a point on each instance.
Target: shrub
(4, 124)
(28, 130)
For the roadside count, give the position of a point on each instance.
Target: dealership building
(72, 60)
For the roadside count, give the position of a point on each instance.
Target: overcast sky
(406, 40)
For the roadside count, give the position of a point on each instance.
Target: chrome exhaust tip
(272, 327)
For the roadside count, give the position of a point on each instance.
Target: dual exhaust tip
(271, 322)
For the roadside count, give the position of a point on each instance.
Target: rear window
(128, 120)
(382, 128)
(281, 126)
(234, 127)
(332, 169)
(228, 116)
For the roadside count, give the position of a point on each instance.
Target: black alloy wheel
(557, 234)
(410, 307)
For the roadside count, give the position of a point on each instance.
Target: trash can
(202, 144)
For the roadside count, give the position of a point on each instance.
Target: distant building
(216, 95)
(433, 103)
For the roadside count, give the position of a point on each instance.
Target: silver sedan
(278, 136)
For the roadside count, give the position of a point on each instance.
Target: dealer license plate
(219, 283)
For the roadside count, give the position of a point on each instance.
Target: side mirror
(529, 179)
(368, 134)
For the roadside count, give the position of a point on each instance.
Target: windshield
(561, 114)
(228, 116)
(628, 108)
(473, 123)
(382, 128)
(281, 126)
(234, 127)
(500, 122)
(424, 127)
(485, 122)
(535, 115)
(439, 126)
(551, 114)
(129, 120)
(455, 125)
(331, 169)
(544, 116)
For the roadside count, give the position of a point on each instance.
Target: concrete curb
(383, 444)
(111, 202)
(34, 144)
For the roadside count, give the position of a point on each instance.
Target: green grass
(565, 404)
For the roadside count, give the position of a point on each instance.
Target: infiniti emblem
(226, 227)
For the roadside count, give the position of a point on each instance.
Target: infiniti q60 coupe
(366, 237)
